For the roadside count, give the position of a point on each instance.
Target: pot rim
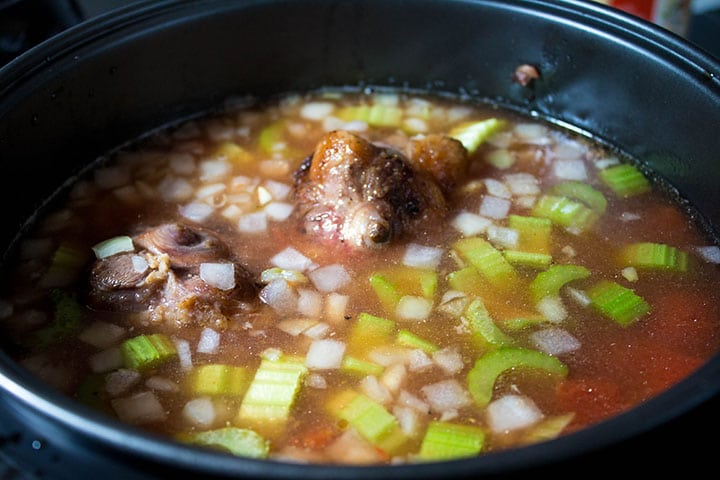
(62, 50)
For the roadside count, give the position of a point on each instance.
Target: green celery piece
(91, 392)
(527, 259)
(554, 278)
(474, 134)
(369, 331)
(271, 137)
(241, 442)
(489, 261)
(617, 303)
(625, 180)
(355, 366)
(378, 115)
(487, 369)
(446, 440)
(467, 280)
(386, 292)
(374, 423)
(147, 351)
(582, 192)
(272, 392)
(66, 263)
(534, 233)
(521, 323)
(408, 339)
(392, 284)
(482, 326)
(654, 256)
(548, 428)
(67, 319)
(219, 379)
(565, 212)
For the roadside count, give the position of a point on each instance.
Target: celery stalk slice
(487, 369)
(446, 440)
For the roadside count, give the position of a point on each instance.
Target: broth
(224, 283)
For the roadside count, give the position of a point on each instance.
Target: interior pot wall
(75, 97)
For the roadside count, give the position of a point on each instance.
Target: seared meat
(162, 279)
(364, 194)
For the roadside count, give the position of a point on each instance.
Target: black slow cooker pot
(624, 81)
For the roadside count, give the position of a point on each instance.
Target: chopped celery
(91, 391)
(474, 134)
(625, 180)
(618, 303)
(408, 339)
(521, 323)
(355, 366)
(582, 192)
(66, 263)
(147, 351)
(232, 152)
(378, 115)
(533, 232)
(487, 369)
(563, 211)
(656, 256)
(237, 441)
(373, 422)
(391, 285)
(219, 379)
(272, 137)
(554, 278)
(111, 246)
(386, 292)
(67, 319)
(273, 390)
(527, 259)
(489, 261)
(482, 326)
(467, 280)
(548, 428)
(446, 440)
(369, 331)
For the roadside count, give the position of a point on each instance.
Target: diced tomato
(315, 438)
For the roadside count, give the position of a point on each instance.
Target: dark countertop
(21, 27)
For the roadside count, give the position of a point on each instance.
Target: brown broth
(151, 181)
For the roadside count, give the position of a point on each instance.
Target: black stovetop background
(25, 23)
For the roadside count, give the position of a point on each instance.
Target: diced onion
(552, 308)
(101, 334)
(408, 419)
(278, 190)
(325, 354)
(415, 308)
(209, 341)
(503, 236)
(209, 190)
(255, 222)
(279, 295)
(570, 170)
(372, 387)
(162, 384)
(196, 211)
(316, 110)
(214, 170)
(143, 407)
(554, 341)
(315, 380)
(330, 278)
(120, 381)
(449, 359)
(292, 259)
(317, 331)
(106, 360)
(710, 253)
(522, 184)
(416, 403)
(497, 188)
(309, 303)
(199, 412)
(175, 189)
(296, 326)
(419, 361)
(494, 207)
(421, 256)
(112, 246)
(140, 263)
(512, 412)
(184, 354)
(181, 163)
(218, 275)
(470, 224)
(446, 395)
(278, 211)
(336, 306)
(393, 377)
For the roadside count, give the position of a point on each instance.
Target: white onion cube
(325, 354)
(218, 275)
(512, 412)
